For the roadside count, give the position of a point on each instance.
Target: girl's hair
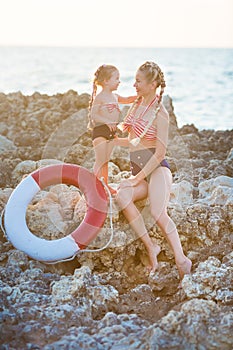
(103, 73)
(153, 73)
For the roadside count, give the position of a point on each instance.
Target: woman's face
(141, 84)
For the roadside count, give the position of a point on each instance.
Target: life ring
(53, 250)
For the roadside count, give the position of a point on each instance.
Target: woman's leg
(159, 193)
(126, 197)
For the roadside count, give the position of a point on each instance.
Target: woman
(147, 124)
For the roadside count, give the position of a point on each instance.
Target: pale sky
(123, 23)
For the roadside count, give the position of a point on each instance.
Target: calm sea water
(200, 81)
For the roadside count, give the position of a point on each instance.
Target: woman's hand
(130, 182)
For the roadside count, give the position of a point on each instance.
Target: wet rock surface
(107, 300)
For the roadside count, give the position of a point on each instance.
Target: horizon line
(113, 47)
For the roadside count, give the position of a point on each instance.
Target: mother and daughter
(147, 123)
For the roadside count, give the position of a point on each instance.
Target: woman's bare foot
(153, 253)
(184, 268)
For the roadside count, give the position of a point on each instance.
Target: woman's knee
(164, 221)
(124, 197)
(159, 215)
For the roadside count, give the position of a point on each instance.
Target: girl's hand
(112, 127)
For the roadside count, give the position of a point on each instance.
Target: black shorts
(103, 130)
(138, 160)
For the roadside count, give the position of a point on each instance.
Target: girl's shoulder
(99, 100)
(103, 98)
(109, 98)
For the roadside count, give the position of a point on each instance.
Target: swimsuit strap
(150, 122)
(147, 108)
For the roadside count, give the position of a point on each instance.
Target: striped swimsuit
(139, 158)
(138, 124)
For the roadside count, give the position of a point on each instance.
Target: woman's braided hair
(153, 73)
(103, 73)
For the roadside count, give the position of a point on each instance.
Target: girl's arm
(126, 100)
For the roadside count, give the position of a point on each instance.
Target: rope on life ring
(67, 247)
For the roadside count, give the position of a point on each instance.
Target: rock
(182, 193)
(229, 163)
(27, 167)
(106, 299)
(210, 281)
(65, 135)
(83, 101)
(217, 191)
(7, 148)
(22, 169)
(167, 101)
(83, 289)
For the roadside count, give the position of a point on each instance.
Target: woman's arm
(121, 141)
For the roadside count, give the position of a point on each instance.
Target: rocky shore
(106, 300)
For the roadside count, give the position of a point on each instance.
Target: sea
(199, 80)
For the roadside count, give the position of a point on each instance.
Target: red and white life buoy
(52, 250)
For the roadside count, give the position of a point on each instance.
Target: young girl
(104, 113)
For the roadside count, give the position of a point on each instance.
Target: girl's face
(141, 84)
(114, 81)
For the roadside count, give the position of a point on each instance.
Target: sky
(119, 23)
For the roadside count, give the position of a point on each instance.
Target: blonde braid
(90, 122)
(133, 107)
(162, 82)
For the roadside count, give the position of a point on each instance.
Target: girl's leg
(110, 146)
(159, 193)
(102, 155)
(126, 198)
(100, 146)
(103, 149)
